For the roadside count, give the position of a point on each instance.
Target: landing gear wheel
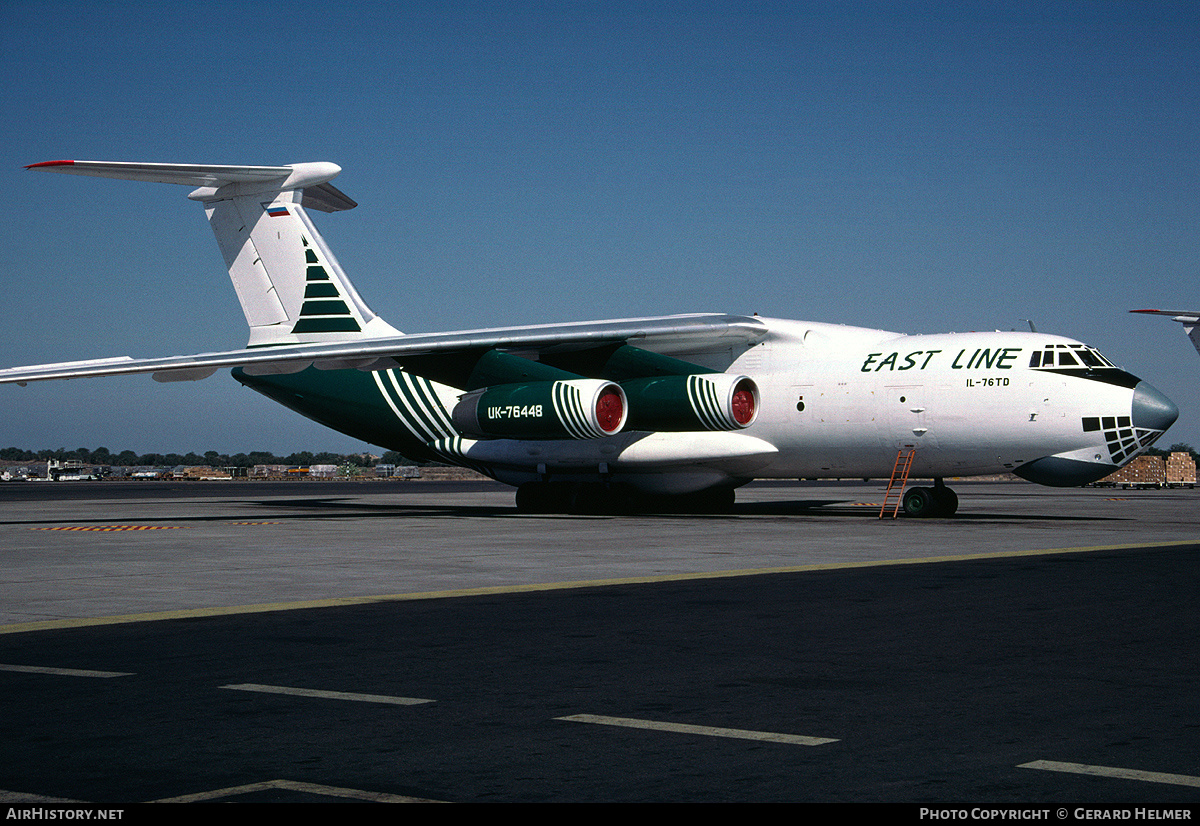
(938, 500)
(716, 500)
(543, 497)
(919, 502)
(946, 499)
(589, 498)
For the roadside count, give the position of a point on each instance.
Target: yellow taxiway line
(334, 602)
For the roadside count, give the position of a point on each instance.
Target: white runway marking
(683, 728)
(294, 786)
(328, 695)
(1108, 771)
(63, 672)
(9, 798)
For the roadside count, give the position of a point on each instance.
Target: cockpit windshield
(1070, 355)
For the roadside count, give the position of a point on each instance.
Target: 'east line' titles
(1000, 358)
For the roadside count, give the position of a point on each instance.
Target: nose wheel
(938, 500)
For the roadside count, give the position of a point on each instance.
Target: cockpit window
(1070, 355)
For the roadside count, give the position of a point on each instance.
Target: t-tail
(290, 285)
(1190, 319)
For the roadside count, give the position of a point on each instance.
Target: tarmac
(598, 653)
(90, 550)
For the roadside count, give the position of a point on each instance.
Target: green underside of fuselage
(348, 401)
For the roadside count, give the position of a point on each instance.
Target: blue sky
(922, 168)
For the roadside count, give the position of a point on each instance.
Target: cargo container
(1142, 472)
(1180, 470)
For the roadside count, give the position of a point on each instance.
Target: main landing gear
(938, 500)
(601, 498)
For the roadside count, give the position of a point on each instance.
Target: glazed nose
(1151, 409)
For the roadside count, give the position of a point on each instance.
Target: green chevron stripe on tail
(318, 313)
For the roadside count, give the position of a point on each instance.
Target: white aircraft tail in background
(1190, 319)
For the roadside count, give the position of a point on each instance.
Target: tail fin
(291, 287)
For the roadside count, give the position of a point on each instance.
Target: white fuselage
(843, 401)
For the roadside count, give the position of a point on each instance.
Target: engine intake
(573, 409)
(703, 401)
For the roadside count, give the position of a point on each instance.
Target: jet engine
(572, 409)
(704, 401)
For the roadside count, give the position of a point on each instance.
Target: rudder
(289, 283)
(291, 287)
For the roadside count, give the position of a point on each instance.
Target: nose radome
(1151, 409)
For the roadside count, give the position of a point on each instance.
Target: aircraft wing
(664, 334)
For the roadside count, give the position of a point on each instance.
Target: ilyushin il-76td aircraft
(584, 416)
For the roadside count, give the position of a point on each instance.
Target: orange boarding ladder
(898, 481)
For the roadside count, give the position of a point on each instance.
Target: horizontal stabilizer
(312, 178)
(327, 198)
(167, 173)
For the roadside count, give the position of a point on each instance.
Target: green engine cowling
(704, 401)
(570, 409)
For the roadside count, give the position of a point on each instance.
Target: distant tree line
(1177, 447)
(304, 458)
(211, 458)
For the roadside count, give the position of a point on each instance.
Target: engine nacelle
(571, 409)
(701, 401)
